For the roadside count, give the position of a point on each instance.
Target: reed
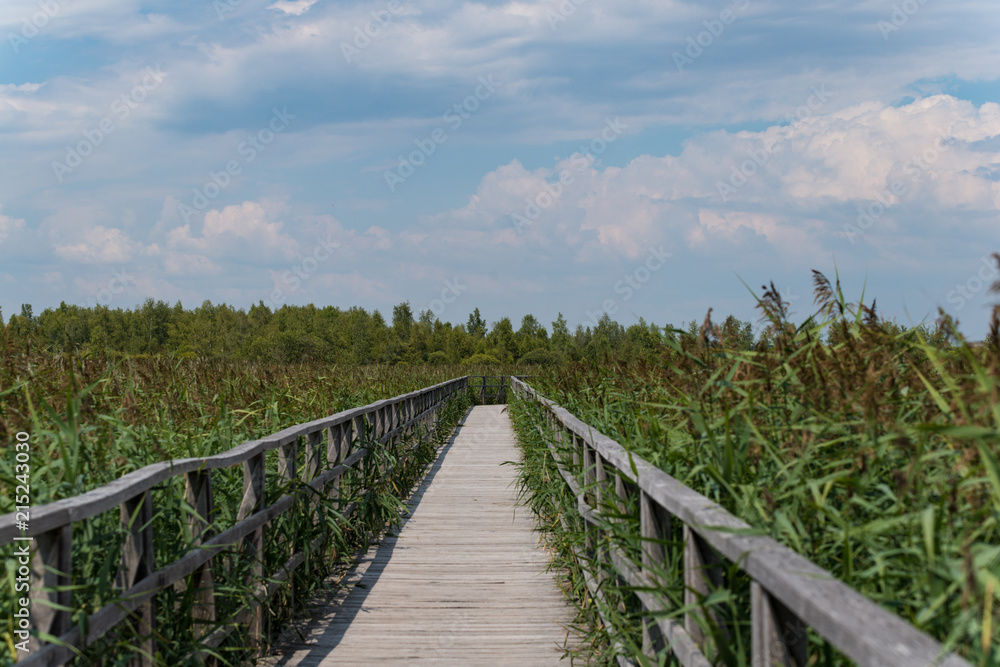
(92, 420)
(871, 451)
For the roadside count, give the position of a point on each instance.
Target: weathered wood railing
(51, 526)
(788, 592)
(491, 388)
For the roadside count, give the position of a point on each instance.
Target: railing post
(253, 545)
(51, 576)
(589, 477)
(313, 457)
(339, 440)
(780, 638)
(391, 421)
(380, 428)
(288, 463)
(138, 563)
(654, 529)
(600, 498)
(702, 575)
(198, 492)
(622, 501)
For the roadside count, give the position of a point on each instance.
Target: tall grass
(91, 420)
(873, 453)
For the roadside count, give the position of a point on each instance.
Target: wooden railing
(491, 388)
(788, 592)
(140, 577)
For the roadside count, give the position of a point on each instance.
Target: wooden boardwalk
(463, 583)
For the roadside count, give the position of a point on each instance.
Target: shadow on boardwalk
(463, 583)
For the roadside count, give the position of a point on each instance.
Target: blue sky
(644, 158)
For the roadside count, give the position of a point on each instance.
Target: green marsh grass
(92, 420)
(872, 452)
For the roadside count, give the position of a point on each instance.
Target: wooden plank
(779, 639)
(54, 515)
(854, 624)
(51, 595)
(198, 492)
(138, 562)
(464, 582)
(52, 528)
(251, 548)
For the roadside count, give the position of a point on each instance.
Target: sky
(642, 158)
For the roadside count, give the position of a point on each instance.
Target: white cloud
(237, 232)
(9, 227)
(796, 183)
(293, 7)
(100, 245)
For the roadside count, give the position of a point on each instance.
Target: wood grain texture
(463, 583)
(857, 626)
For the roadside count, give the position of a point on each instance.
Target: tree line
(331, 334)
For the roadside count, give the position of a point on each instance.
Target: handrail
(51, 526)
(789, 593)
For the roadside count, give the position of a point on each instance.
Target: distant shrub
(481, 359)
(542, 357)
(437, 358)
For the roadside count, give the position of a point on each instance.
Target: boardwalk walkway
(462, 584)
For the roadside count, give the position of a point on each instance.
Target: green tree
(561, 340)
(476, 325)
(502, 341)
(531, 335)
(736, 335)
(402, 321)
